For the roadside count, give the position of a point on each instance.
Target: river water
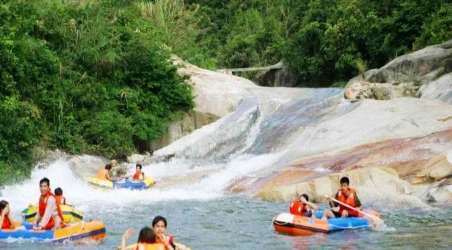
(212, 220)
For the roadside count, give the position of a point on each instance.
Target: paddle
(377, 221)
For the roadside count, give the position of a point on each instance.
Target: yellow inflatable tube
(70, 214)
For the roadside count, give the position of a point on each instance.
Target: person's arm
(358, 202)
(48, 213)
(108, 176)
(310, 204)
(2, 217)
(37, 217)
(337, 198)
(334, 206)
(127, 234)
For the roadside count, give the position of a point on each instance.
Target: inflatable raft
(80, 231)
(70, 214)
(125, 183)
(290, 224)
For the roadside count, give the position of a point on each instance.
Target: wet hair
(345, 180)
(3, 204)
(306, 197)
(146, 235)
(108, 166)
(157, 219)
(139, 166)
(58, 191)
(44, 180)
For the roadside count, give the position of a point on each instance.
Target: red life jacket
(42, 208)
(298, 208)
(137, 176)
(349, 200)
(6, 223)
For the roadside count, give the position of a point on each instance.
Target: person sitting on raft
(5, 221)
(146, 240)
(139, 174)
(159, 225)
(105, 173)
(301, 206)
(49, 214)
(60, 199)
(346, 195)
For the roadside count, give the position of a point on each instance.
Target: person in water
(346, 195)
(301, 206)
(60, 199)
(49, 214)
(5, 221)
(139, 174)
(146, 240)
(159, 224)
(105, 173)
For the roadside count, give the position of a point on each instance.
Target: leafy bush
(87, 78)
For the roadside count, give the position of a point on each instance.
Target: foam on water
(81, 194)
(85, 196)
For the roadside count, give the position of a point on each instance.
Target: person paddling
(5, 221)
(345, 195)
(139, 174)
(49, 214)
(301, 206)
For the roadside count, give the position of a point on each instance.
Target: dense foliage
(91, 77)
(323, 41)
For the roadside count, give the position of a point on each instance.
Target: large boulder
(384, 171)
(361, 89)
(424, 73)
(440, 192)
(421, 66)
(436, 169)
(217, 94)
(439, 89)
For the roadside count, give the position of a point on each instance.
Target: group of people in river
(345, 203)
(106, 172)
(50, 217)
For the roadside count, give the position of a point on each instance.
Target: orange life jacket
(149, 246)
(298, 208)
(6, 223)
(139, 175)
(60, 200)
(102, 173)
(42, 208)
(349, 200)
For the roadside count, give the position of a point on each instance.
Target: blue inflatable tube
(94, 230)
(336, 224)
(128, 184)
